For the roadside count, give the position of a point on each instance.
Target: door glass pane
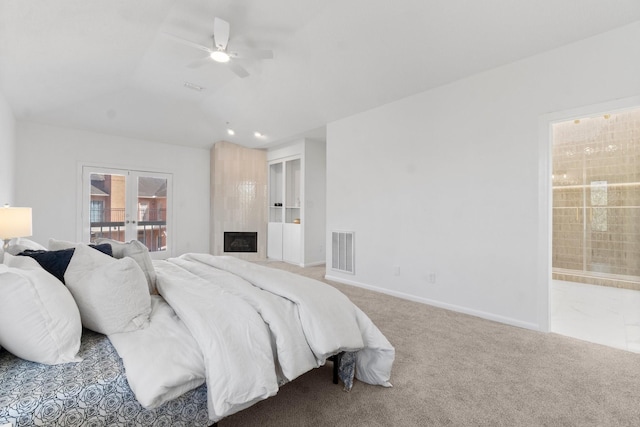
(107, 206)
(152, 213)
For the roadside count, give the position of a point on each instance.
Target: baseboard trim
(313, 264)
(460, 309)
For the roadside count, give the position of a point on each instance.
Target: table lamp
(14, 222)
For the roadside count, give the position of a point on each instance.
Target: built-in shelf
(285, 201)
(295, 230)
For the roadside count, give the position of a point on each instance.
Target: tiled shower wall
(238, 196)
(596, 200)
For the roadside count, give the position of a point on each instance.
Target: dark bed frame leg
(336, 366)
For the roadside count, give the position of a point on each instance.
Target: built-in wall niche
(285, 191)
(285, 211)
(276, 192)
(296, 227)
(292, 188)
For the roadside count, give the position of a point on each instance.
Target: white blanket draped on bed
(235, 341)
(256, 328)
(331, 322)
(291, 352)
(162, 361)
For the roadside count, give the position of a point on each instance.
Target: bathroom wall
(596, 199)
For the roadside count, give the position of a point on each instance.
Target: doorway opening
(595, 289)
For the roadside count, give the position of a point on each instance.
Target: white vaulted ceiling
(109, 65)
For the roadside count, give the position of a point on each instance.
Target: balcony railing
(151, 231)
(118, 215)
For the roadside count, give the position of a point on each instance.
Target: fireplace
(241, 241)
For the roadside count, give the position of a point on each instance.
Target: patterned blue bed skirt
(93, 392)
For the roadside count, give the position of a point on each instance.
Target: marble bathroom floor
(598, 314)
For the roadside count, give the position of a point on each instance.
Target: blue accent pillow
(56, 262)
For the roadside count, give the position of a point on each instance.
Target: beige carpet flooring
(453, 369)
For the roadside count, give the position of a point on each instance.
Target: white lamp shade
(15, 222)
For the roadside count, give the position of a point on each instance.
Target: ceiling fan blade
(237, 69)
(199, 62)
(188, 42)
(220, 33)
(252, 54)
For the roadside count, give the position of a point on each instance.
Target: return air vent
(342, 252)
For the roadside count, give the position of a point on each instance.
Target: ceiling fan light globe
(220, 56)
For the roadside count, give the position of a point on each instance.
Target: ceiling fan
(220, 51)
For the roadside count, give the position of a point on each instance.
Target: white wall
(47, 167)
(315, 196)
(447, 181)
(7, 153)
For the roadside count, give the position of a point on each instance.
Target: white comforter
(253, 328)
(162, 361)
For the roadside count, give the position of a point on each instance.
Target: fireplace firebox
(241, 241)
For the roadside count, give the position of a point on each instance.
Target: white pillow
(112, 294)
(22, 262)
(39, 320)
(137, 251)
(20, 244)
(57, 245)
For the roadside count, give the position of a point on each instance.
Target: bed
(93, 392)
(185, 341)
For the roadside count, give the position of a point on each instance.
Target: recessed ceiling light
(193, 86)
(231, 132)
(220, 56)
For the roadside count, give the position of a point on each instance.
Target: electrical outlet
(396, 270)
(432, 277)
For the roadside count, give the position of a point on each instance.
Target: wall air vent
(342, 252)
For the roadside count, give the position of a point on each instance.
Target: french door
(127, 205)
